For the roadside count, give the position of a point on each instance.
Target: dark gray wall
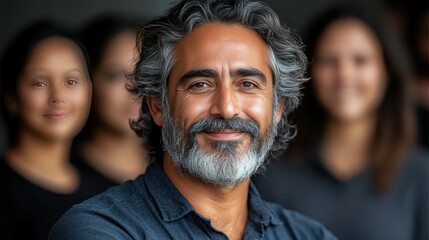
(16, 14)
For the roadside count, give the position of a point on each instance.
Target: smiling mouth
(225, 135)
(56, 116)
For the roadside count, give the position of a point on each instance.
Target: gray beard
(229, 162)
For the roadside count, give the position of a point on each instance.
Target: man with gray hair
(217, 79)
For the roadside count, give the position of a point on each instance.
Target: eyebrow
(74, 70)
(241, 72)
(43, 72)
(198, 73)
(249, 72)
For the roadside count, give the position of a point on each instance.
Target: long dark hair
(394, 132)
(14, 59)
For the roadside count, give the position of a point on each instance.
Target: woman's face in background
(348, 72)
(54, 91)
(114, 105)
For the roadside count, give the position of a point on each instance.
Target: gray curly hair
(156, 41)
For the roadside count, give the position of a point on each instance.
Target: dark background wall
(16, 14)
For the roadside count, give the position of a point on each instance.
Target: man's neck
(226, 207)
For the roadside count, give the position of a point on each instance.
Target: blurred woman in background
(45, 98)
(108, 146)
(353, 166)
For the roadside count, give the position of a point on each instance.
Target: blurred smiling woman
(353, 166)
(107, 146)
(46, 96)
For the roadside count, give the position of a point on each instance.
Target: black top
(151, 207)
(98, 180)
(28, 211)
(351, 209)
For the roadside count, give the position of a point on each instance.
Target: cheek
(259, 109)
(190, 109)
(322, 86)
(106, 97)
(81, 101)
(322, 79)
(31, 102)
(374, 82)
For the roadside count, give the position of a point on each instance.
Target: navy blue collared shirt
(150, 207)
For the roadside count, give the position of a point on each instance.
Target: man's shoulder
(300, 226)
(123, 194)
(105, 214)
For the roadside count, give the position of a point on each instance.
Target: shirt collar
(259, 211)
(173, 205)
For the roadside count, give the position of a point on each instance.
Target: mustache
(220, 124)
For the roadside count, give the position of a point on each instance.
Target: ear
(280, 110)
(155, 108)
(11, 104)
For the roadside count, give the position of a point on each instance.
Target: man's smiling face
(220, 98)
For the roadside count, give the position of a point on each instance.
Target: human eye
(360, 60)
(115, 75)
(199, 87)
(39, 84)
(71, 82)
(248, 85)
(327, 61)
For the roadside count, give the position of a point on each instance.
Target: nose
(56, 95)
(344, 72)
(225, 103)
